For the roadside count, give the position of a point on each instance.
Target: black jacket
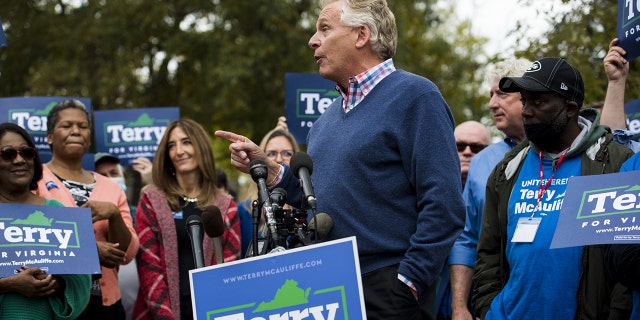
(599, 296)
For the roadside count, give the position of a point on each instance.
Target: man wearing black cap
(517, 276)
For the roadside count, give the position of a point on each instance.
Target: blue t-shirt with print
(543, 282)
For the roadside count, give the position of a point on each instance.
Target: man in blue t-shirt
(517, 276)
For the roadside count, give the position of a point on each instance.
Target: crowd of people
(461, 246)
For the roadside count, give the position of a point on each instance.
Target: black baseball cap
(548, 74)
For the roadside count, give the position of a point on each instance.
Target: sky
(494, 19)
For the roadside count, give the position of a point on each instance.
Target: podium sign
(320, 281)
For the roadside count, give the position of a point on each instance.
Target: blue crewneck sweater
(388, 173)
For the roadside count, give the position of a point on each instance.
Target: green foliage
(222, 62)
(433, 45)
(582, 36)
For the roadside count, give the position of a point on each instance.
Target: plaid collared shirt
(361, 84)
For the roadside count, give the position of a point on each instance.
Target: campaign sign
(321, 281)
(628, 30)
(632, 110)
(31, 114)
(132, 133)
(600, 209)
(3, 39)
(307, 95)
(59, 240)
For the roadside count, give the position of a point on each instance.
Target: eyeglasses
(475, 147)
(10, 154)
(285, 154)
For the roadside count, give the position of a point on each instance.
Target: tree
(581, 35)
(221, 62)
(433, 44)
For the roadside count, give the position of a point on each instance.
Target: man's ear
(572, 108)
(364, 35)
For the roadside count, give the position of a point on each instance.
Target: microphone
(259, 173)
(194, 228)
(279, 196)
(214, 228)
(302, 167)
(319, 226)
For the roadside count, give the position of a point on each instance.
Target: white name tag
(526, 229)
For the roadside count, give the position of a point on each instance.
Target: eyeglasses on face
(285, 154)
(10, 153)
(475, 147)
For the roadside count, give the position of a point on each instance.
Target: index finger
(232, 137)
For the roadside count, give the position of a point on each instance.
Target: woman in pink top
(64, 179)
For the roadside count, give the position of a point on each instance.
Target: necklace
(192, 200)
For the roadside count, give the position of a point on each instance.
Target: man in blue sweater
(386, 167)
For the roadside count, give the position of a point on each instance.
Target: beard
(546, 133)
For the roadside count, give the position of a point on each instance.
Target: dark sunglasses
(475, 147)
(10, 154)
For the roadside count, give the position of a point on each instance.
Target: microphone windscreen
(322, 223)
(258, 170)
(301, 160)
(212, 221)
(193, 220)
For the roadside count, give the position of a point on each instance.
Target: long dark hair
(37, 163)
(163, 172)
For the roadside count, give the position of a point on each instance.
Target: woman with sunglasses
(31, 293)
(184, 184)
(64, 179)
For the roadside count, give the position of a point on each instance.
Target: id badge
(177, 215)
(526, 229)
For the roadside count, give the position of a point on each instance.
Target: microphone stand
(306, 205)
(255, 214)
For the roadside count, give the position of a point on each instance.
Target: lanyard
(542, 189)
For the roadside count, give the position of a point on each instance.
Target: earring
(173, 171)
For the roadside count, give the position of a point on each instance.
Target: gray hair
(375, 14)
(507, 68)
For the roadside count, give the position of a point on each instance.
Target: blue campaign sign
(600, 209)
(321, 281)
(31, 114)
(59, 240)
(307, 95)
(628, 30)
(3, 39)
(632, 110)
(132, 133)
